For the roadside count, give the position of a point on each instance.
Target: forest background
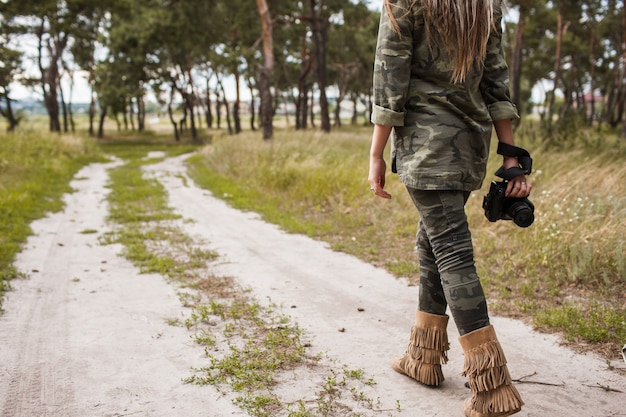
(305, 67)
(302, 53)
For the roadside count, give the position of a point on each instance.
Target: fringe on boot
(427, 349)
(493, 392)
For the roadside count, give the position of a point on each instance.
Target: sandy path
(86, 335)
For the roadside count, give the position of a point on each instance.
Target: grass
(35, 171)
(572, 259)
(139, 208)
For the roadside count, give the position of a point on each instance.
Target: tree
(350, 53)
(54, 44)
(184, 51)
(120, 78)
(517, 56)
(56, 25)
(318, 19)
(10, 68)
(240, 55)
(93, 32)
(266, 70)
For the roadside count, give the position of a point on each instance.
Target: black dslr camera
(499, 207)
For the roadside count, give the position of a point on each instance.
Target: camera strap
(525, 161)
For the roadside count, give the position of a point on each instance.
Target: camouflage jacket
(442, 131)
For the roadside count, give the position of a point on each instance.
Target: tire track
(37, 343)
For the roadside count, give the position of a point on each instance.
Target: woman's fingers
(518, 188)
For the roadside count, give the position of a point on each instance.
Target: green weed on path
(572, 259)
(35, 171)
(251, 350)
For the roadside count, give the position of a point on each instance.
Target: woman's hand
(376, 177)
(378, 167)
(518, 187)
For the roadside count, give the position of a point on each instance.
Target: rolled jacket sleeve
(386, 117)
(392, 65)
(503, 110)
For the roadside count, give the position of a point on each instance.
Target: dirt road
(87, 335)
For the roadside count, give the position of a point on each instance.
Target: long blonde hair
(459, 27)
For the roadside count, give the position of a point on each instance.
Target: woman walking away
(440, 87)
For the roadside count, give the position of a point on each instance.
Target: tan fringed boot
(427, 349)
(493, 392)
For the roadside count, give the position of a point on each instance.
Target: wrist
(509, 162)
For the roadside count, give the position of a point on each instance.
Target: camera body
(499, 207)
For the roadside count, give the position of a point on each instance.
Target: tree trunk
(225, 104)
(266, 71)
(368, 108)
(199, 115)
(183, 121)
(189, 100)
(304, 100)
(252, 107)
(592, 75)
(92, 113)
(170, 113)
(50, 75)
(70, 113)
(318, 29)
(218, 106)
(9, 115)
(194, 131)
(141, 113)
(131, 115)
(285, 100)
(301, 103)
(236, 118)
(127, 106)
(103, 115)
(209, 112)
(347, 73)
(615, 107)
(355, 115)
(63, 107)
(311, 106)
(338, 113)
(237, 103)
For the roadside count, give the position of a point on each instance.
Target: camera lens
(522, 214)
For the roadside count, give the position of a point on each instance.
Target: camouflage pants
(446, 259)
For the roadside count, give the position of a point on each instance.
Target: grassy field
(566, 273)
